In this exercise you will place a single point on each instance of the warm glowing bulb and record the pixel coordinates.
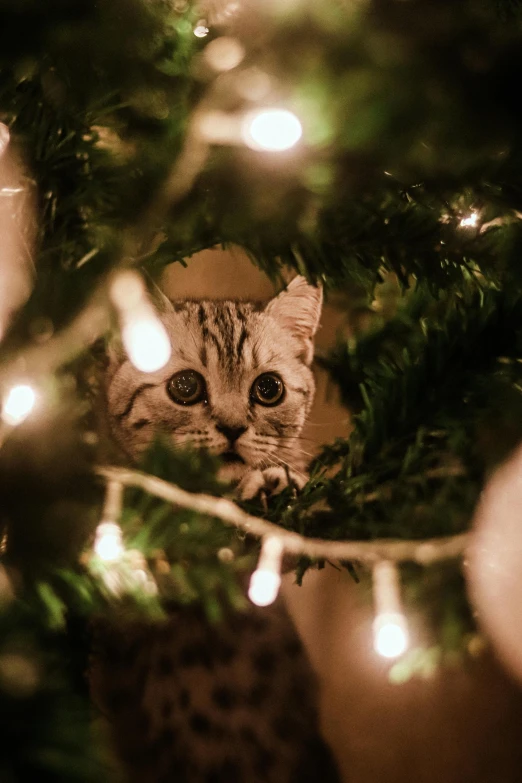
(273, 130)
(390, 635)
(201, 30)
(264, 587)
(471, 220)
(266, 579)
(109, 543)
(18, 404)
(146, 342)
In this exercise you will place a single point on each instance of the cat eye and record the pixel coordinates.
(186, 387)
(267, 389)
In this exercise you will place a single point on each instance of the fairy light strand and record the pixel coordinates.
(266, 579)
(18, 404)
(271, 130)
(470, 221)
(390, 629)
(143, 334)
(121, 570)
(423, 552)
(108, 543)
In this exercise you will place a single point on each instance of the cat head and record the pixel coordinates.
(238, 382)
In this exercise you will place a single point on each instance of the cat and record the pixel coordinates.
(234, 702)
(238, 383)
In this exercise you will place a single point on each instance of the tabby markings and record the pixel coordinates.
(134, 397)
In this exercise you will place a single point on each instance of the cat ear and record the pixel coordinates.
(160, 301)
(298, 309)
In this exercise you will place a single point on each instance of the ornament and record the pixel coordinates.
(4, 138)
(494, 563)
(18, 230)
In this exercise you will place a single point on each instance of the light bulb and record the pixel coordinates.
(274, 130)
(264, 587)
(390, 630)
(109, 542)
(390, 634)
(146, 342)
(18, 404)
(266, 579)
(471, 220)
(144, 336)
(201, 30)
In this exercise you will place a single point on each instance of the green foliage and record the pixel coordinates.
(207, 559)
(97, 132)
(101, 132)
(410, 124)
(440, 401)
(46, 722)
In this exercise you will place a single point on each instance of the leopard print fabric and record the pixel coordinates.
(191, 702)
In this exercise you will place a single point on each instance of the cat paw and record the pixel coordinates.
(269, 481)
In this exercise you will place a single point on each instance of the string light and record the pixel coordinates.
(18, 404)
(274, 130)
(266, 579)
(146, 343)
(109, 541)
(144, 337)
(201, 30)
(390, 630)
(422, 551)
(470, 221)
(121, 570)
(390, 626)
(108, 544)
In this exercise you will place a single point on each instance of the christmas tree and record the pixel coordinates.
(374, 147)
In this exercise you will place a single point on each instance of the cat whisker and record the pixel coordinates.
(321, 423)
(280, 462)
(277, 442)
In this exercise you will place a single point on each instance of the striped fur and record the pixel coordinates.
(230, 343)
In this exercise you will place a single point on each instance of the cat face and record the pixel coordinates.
(238, 382)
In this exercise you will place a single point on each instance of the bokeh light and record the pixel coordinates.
(146, 342)
(264, 587)
(390, 635)
(109, 543)
(18, 404)
(274, 130)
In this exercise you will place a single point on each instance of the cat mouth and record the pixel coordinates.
(231, 456)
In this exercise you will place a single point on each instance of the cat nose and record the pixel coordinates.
(230, 433)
